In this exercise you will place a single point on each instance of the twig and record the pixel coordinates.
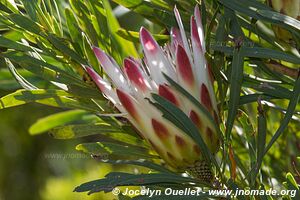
(282, 69)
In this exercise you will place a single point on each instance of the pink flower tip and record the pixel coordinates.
(89, 70)
(100, 54)
(133, 73)
(175, 9)
(147, 40)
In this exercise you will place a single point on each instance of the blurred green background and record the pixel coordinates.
(40, 167)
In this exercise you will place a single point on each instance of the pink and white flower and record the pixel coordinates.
(130, 86)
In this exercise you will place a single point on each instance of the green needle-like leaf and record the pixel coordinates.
(56, 98)
(294, 100)
(260, 140)
(236, 80)
(115, 151)
(89, 53)
(135, 36)
(139, 162)
(73, 29)
(278, 17)
(115, 179)
(26, 23)
(4, 42)
(52, 121)
(21, 80)
(60, 45)
(292, 185)
(125, 47)
(259, 52)
(8, 6)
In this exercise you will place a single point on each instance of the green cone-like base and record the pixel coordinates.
(202, 171)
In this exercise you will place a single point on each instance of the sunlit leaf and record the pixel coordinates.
(56, 98)
(49, 122)
(124, 47)
(115, 151)
(134, 36)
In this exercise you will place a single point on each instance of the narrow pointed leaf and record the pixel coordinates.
(83, 130)
(43, 69)
(134, 36)
(236, 80)
(9, 6)
(294, 100)
(21, 80)
(73, 28)
(292, 185)
(259, 52)
(115, 151)
(115, 179)
(7, 43)
(88, 50)
(125, 47)
(56, 98)
(139, 162)
(260, 140)
(275, 16)
(60, 45)
(26, 23)
(51, 121)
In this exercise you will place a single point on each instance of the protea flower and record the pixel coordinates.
(131, 86)
(287, 7)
